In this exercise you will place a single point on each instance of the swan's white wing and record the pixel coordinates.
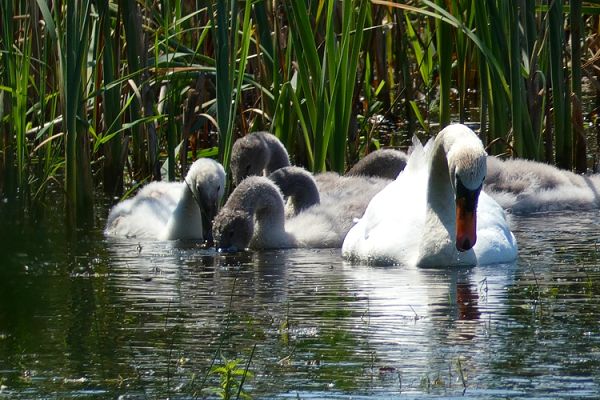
(393, 222)
(146, 214)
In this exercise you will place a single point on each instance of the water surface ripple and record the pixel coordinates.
(100, 318)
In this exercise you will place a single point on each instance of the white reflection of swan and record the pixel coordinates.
(419, 313)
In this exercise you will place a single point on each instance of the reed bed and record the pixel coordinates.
(113, 94)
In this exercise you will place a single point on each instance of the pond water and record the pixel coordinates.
(97, 318)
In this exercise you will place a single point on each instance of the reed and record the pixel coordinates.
(73, 48)
(110, 100)
(576, 24)
(327, 81)
(444, 40)
(230, 57)
(13, 105)
(104, 94)
(560, 99)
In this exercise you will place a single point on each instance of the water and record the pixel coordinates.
(97, 318)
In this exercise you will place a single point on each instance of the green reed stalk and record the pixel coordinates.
(445, 41)
(490, 30)
(509, 14)
(132, 26)
(424, 56)
(402, 64)
(560, 100)
(269, 67)
(17, 36)
(230, 51)
(328, 84)
(8, 184)
(111, 103)
(73, 54)
(462, 9)
(576, 23)
(309, 73)
(345, 80)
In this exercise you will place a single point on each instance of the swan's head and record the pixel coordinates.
(249, 156)
(206, 180)
(233, 229)
(467, 166)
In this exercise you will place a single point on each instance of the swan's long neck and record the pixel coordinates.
(279, 157)
(265, 203)
(186, 220)
(298, 185)
(440, 212)
(456, 173)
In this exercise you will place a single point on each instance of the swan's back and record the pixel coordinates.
(171, 210)
(524, 186)
(146, 214)
(382, 163)
(369, 239)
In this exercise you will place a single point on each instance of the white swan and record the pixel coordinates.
(254, 217)
(172, 210)
(524, 186)
(434, 213)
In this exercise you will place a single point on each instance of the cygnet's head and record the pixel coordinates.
(249, 156)
(206, 180)
(233, 229)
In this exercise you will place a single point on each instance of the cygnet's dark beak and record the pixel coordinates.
(466, 216)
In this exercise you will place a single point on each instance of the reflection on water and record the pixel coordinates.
(100, 318)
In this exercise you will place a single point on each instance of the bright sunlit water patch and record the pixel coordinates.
(98, 318)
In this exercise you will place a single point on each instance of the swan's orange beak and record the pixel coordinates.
(466, 224)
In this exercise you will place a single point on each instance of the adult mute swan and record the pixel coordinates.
(434, 213)
(172, 210)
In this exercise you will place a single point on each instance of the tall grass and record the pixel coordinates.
(327, 81)
(104, 94)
